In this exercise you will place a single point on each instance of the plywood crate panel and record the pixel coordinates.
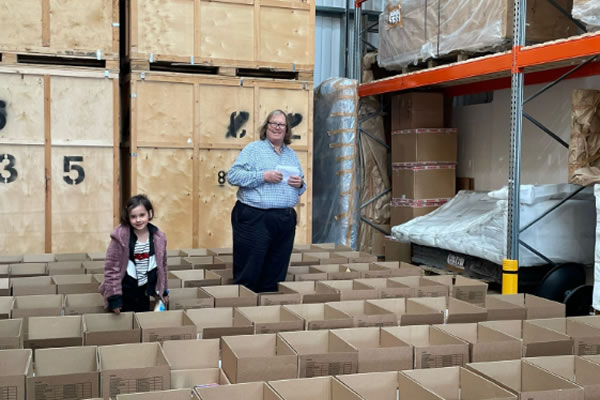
(188, 129)
(242, 33)
(59, 186)
(72, 28)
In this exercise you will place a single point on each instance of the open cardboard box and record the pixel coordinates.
(335, 271)
(66, 257)
(457, 311)
(174, 394)
(537, 340)
(377, 350)
(370, 270)
(62, 331)
(466, 289)
(349, 289)
(355, 256)
(64, 373)
(400, 268)
(365, 314)
(433, 348)
(194, 252)
(269, 319)
(15, 366)
(593, 321)
(187, 298)
(66, 268)
(410, 312)
(321, 353)
(225, 274)
(499, 309)
(32, 286)
(527, 380)
(96, 256)
(216, 322)
(131, 368)
(586, 338)
(387, 288)
(425, 287)
(69, 284)
(245, 391)
(4, 287)
(166, 325)
(190, 378)
(4, 270)
(39, 258)
(232, 296)
(110, 329)
(278, 298)
(310, 292)
(6, 306)
(11, 334)
(197, 278)
(485, 344)
(93, 267)
(320, 388)
(321, 316)
(253, 358)
(192, 354)
(37, 306)
(220, 251)
(28, 269)
(305, 273)
(11, 259)
(537, 307)
(198, 262)
(84, 303)
(322, 257)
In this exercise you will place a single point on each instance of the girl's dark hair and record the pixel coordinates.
(287, 139)
(137, 200)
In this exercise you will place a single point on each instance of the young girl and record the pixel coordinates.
(136, 260)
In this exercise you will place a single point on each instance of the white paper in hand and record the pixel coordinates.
(287, 171)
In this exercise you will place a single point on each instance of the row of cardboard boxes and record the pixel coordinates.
(38, 321)
(91, 371)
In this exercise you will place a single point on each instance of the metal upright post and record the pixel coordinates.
(510, 266)
(357, 41)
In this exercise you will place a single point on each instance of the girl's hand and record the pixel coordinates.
(117, 310)
(165, 300)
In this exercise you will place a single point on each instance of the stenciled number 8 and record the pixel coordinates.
(221, 177)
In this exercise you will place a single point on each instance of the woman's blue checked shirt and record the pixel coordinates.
(247, 173)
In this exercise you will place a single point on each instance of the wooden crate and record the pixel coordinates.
(184, 138)
(65, 28)
(242, 33)
(59, 160)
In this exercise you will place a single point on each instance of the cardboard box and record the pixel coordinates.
(15, 366)
(433, 348)
(4, 287)
(470, 290)
(373, 270)
(396, 251)
(32, 286)
(187, 298)
(11, 259)
(320, 388)
(401, 268)
(176, 394)
(537, 307)
(310, 292)
(424, 182)
(269, 319)
(39, 258)
(216, 322)
(4, 270)
(377, 350)
(586, 338)
(321, 353)
(132, 368)
(365, 314)
(417, 110)
(306, 273)
(404, 210)
(321, 257)
(375, 385)
(70, 284)
(321, 316)
(200, 252)
(63, 331)
(232, 296)
(575, 369)
(197, 278)
(537, 340)
(93, 267)
(6, 306)
(450, 383)
(349, 289)
(387, 288)
(425, 145)
(68, 257)
(225, 274)
(336, 271)
(201, 262)
(174, 253)
(498, 309)
(44, 305)
(246, 391)
(255, 358)
(278, 298)
(26, 270)
(485, 344)
(84, 303)
(166, 325)
(65, 373)
(96, 256)
(457, 311)
(220, 251)
(356, 256)
(190, 378)
(11, 334)
(110, 329)
(192, 354)
(425, 286)
(66, 268)
(527, 380)
(409, 312)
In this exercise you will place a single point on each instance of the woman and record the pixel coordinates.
(270, 181)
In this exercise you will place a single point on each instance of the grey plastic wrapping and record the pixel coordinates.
(414, 30)
(335, 188)
(588, 12)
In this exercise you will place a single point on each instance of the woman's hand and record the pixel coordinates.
(272, 176)
(295, 181)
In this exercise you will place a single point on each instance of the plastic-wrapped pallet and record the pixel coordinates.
(596, 295)
(415, 30)
(588, 12)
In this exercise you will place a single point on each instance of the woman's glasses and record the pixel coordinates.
(276, 125)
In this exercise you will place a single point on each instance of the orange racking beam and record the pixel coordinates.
(578, 47)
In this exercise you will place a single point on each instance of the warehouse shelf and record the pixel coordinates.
(541, 63)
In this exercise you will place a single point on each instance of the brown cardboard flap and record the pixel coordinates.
(192, 354)
(189, 378)
(246, 391)
(11, 334)
(498, 309)
(313, 388)
(278, 298)
(216, 322)
(375, 385)
(176, 394)
(232, 296)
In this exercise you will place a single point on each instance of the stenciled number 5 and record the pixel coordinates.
(69, 166)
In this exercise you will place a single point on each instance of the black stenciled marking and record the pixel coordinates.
(221, 177)
(295, 119)
(236, 121)
(8, 167)
(68, 167)
(2, 114)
